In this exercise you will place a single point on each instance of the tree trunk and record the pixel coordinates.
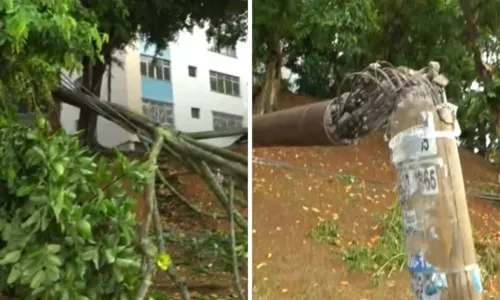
(55, 116)
(93, 73)
(267, 101)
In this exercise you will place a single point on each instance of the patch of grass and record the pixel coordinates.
(488, 251)
(159, 295)
(384, 254)
(347, 179)
(387, 253)
(325, 232)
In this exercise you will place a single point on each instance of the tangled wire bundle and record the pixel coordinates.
(374, 95)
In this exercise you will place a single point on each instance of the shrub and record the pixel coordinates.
(68, 228)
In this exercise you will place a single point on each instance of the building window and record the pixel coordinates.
(27, 114)
(195, 113)
(24, 109)
(225, 84)
(192, 71)
(158, 69)
(159, 111)
(222, 121)
(228, 51)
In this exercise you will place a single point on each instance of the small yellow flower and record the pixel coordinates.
(163, 261)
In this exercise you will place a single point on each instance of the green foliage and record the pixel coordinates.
(159, 22)
(332, 39)
(67, 225)
(37, 40)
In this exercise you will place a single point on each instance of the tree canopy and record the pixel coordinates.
(39, 39)
(324, 40)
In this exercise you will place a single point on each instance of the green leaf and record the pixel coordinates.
(14, 274)
(53, 273)
(54, 259)
(60, 197)
(89, 254)
(37, 291)
(39, 150)
(32, 266)
(24, 190)
(92, 254)
(57, 208)
(11, 175)
(11, 257)
(127, 263)
(54, 248)
(110, 255)
(44, 222)
(59, 168)
(118, 274)
(39, 279)
(35, 217)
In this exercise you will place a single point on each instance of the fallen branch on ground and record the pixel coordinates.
(148, 251)
(185, 201)
(237, 280)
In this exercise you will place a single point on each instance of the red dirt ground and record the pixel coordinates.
(289, 202)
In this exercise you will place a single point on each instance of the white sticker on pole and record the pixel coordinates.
(415, 142)
(410, 223)
(426, 177)
(406, 186)
(421, 178)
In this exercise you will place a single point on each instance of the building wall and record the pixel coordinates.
(122, 92)
(188, 92)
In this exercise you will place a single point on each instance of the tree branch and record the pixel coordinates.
(237, 280)
(153, 213)
(185, 201)
(147, 266)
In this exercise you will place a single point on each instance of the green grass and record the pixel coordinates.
(325, 232)
(388, 253)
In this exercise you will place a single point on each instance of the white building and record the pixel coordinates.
(189, 85)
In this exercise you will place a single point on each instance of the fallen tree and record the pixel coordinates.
(203, 159)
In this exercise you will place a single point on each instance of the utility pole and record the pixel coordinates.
(441, 256)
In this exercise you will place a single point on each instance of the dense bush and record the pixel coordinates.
(68, 228)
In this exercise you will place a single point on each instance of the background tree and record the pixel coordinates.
(482, 32)
(332, 38)
(274, 23)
